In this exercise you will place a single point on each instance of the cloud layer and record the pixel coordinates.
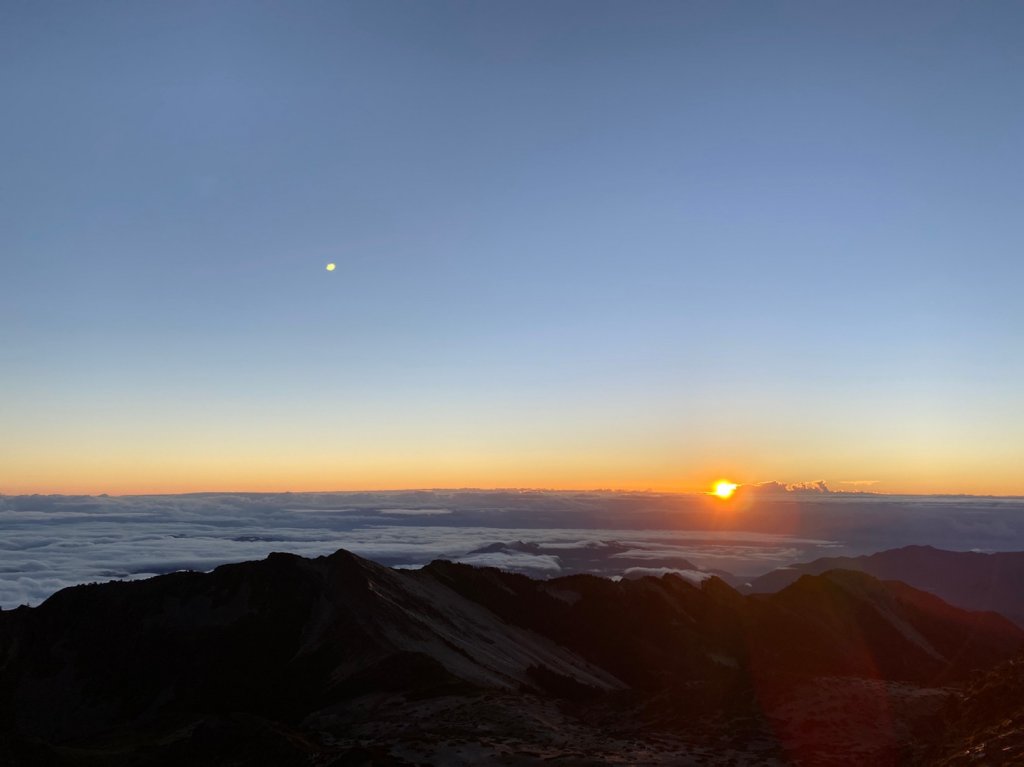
(49, 542)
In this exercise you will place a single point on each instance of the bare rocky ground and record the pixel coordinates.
(827, 722)
(504, 729)
(835, 721)
(984, 725)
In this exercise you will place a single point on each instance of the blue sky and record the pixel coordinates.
(578, 244)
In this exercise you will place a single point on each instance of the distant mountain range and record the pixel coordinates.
(967, 579)
(341, 661)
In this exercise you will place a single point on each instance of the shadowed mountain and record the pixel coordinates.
(967, 579)
(849, 623)
(289, 656)
(279, 637)
(648, 630)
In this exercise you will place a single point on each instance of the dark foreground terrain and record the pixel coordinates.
(340, 661)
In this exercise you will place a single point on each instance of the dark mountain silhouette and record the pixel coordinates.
(967, 579)
(338, 660)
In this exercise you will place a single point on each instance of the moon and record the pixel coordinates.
(331, 267)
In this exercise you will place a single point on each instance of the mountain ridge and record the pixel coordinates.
(969, 579)
(288, 649)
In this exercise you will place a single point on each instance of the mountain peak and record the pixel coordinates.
(288, 640)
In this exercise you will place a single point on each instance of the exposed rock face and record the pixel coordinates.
(288, 659)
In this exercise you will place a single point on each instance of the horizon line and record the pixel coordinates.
(796, 491)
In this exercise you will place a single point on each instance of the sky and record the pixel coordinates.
(578, 245)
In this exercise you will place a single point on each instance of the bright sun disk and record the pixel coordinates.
(724, 489)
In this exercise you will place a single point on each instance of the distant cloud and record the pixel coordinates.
(511, 560)
(859, 482)
(799, 488)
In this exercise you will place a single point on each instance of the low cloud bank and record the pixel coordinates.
(49, 542)
(695, 577)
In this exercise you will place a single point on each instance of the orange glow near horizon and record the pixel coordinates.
(124, 445)
(367, 480)
(168, 469)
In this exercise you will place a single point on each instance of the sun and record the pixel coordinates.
(724, 489)
(330, 267)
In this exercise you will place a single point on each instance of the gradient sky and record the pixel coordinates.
(578, 244)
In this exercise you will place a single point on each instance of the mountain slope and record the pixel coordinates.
(846, 622)
(289, 656)
(278, 638)
(967, 579)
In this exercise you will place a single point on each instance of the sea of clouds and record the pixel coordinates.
(49, 542)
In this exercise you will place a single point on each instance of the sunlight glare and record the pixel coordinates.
(724, 489)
